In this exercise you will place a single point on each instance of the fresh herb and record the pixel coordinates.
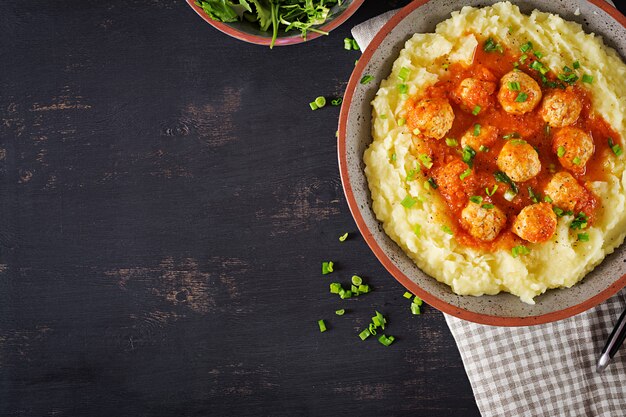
(404, 73)
(526, 47)
(576, 161)
(476, 110)
(521, 97)
(365, 334)
(447, 230)
(401, 121)
(617, 150)
(451, 142)
(483, 148)
(356, 280)
(431, 181)
(468, 155)
(403, 88)
(533, 197)
(408, 201)
(522, 58)
(335, 288)
(576, 65)
(487, 206)
(347, 44)
(327, 267)
(476, 129)
(417, 230)
(386, 340)
(587, 78)
(322, 325)
(580, 222)
(493, 191)
(343, 237)
(407, 295)
(514, 86)
(415, 309)
(502, 177)
(340, 312)
(490, 46)
(476, 199)
(511, 135)
(519, 250)
(425, 160)
(394, 157)
(366, 79)
(465, 174)
(560, 151)
(547, 199)
(410, 176)
(538, 54)
(583, 237)
(337, 101)
(569, 78)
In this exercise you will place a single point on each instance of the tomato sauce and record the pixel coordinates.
(491, 66)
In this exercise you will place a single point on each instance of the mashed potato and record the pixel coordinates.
(423, 229)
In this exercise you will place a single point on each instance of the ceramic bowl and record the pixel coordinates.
(249, 32)
(355, 135)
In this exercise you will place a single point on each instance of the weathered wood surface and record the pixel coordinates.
(166, 200)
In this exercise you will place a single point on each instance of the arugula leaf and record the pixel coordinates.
(219, 10)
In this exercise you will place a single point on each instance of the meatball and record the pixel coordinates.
(573, 147)
(560, 108)
(473, 92)
(433, 117)
(488, 136)
(564, 191)
(482, 223)
(519, 93)
(454, 190)
(535, 223)
(519, 160)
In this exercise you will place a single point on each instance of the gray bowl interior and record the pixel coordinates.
(424, 19)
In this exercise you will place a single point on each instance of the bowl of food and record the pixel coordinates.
(275, 23)
(481, 153)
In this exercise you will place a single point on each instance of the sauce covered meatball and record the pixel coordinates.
(573, 147)
(482, 223)
(433, 117)
(519, 93)
(560, 108)
(473, 92)
(487, 136)
(535, 223)
(450, 186)
(564, 191)
(519, 160)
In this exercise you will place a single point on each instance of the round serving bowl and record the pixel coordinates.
(355, 136)
(250, 32)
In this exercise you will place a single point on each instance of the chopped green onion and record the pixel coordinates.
(337, 101)
(476, 199)
(343, 237)
(394, 156)
(580, 222)
(570, 78)
(364, 288)
(522, 58)
(415, 309)
(340, 312)
(356, 61)
(518, 142)
(417, 230)
(404, 73)
(576, 161)
(490, 45)
(492, 192)
(403, 88)
(521, 97)
(465, 174)
(558, 211)
(372, 329)
(468, 155)
(528, 45)
(476, 110)
(431, 181)
(583, 237)
(587, 79)
(355, 45)
(417, 300)
(451, 142)
(502, 177)
(320, 101)
(487, 206)
(416, 131)
(560, 151)
(365, 334)
(327, 267)
(509, 195)
(408, 201)
(483, 148)
(357, 280)
(538, 54)
(401, 121)
(617, 150)
(511, 135)
(366, 79)
(355, 290)
(343, 294)
(547, 199)
(410, 176)
(408, 295)
(520, 250)
(476, 129)
(335, 288)
(567, 69)
(447, 230)
(425, 160)
(347, 44)
(322, 325)
(386, 340)
(312, 105)
(531, 194)
(576, 65)
(514, 86)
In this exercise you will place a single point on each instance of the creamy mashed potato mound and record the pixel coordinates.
(421, 229)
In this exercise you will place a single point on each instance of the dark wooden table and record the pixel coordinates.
(167, 198)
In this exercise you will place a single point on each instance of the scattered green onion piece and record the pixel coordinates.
(357, 280)
(487, 206)
(327, 267)
(580, 222)
(431, 181)
(337, 101)
(403, 88)
(410, 176)
(493, 191)
(356, 61)
(583, 237)
(483, 148)
(416, 131)
(538, 54)
(320, 101)
(322, 325)
(404, 73)
(355, 45)
(366, 79)
(531, 194)
(520, 250)
(355, 290)
(451, 142)
(576, 65)
(408, 295)
(340, 312)
(521, 97)
(447, 230)
(364, 288)
(343, 237)
(527, 46)
(401, 121)
(558, 211)
(476, 129)
(476, 199)
(415, 309)
(365, 334)
(547, 199)
(408, 201)
(386, 340)
(312, 105)
(490, 45)
(509, 195)
(511, 135)
(502, 177)
(417, 300)
(335, 288)
(417, 230)
(465, 174)
(588, 79)
(425, 160)
(518, 142)
(514, 86)
(567, 69)
(522, 58)
(560, 151)
(343, 294)
(476, 110)
(468, 156)
(347, 44)
(394, 156)
(576, 161)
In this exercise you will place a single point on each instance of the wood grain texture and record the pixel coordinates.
(167, 197)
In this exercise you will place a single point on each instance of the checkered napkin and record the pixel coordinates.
(545, 370)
